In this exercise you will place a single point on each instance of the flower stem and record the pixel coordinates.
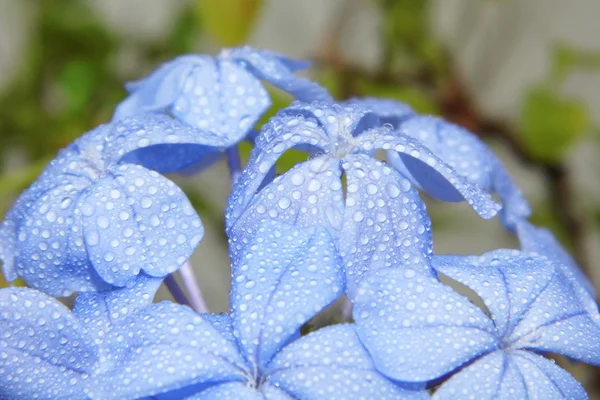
(186, 273)
(175, 290)
(234, 163)
(347, 309)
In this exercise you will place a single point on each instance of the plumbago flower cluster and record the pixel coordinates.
(103, 221)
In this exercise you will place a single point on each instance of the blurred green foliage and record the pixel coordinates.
(229, 22)
(551, 123)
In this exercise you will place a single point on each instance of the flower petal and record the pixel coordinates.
(494, 376)
(134, 219)
(505, 280)
(545, 379)
(531, 303)
(280, 134)
(285, 276)
(514, 375)
(160, 89)
(220, 96)
(99, 312)
(435, 176)
(417, 329)
(308, 195)
(44, 351)
(542, 241)
(466, 154)
(385, 222)
(162, 348)
(161, 143)
(67, 169)
(51, 254)
(56, 222)
(389, 111)
(228, 390)
(555, 321)
(337, 120)
(279, 71)
(332, 363)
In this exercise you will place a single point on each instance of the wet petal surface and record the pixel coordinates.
(332, 363)
(467, 155)
(385, 223)
(495, 376)
(542, 241)
(389, 111)
(308, 195)
(279, 71)
(283, 278)
(417, 329)
(436, 177)
(44, 351)
(134, 219)
(162, 348)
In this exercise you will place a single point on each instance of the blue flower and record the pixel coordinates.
(542, 242)
(417, 329)
(223, 95)
(381, 222)
(116, 345)
(100, 213)
(389, 111)
(458, 148)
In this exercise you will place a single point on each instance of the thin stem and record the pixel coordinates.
(234, 163)
(186, 273)
(175, 290)
(347, 309)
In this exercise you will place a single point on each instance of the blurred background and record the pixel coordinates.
(523, 75)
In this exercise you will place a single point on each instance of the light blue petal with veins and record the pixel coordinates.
(531, 303)
(495, 376)
(222, 97)
(276, 137)
(504, 279)
(163, 348)
(229, 391)
(44, 351)
(436, 177)
(308, 195)
(285, 276)
(161, 143)
(554, 321)
(331, 363)
(389, 111)
(279, 71)
(99, 312)
(385, 222)
(511, 375)
(546, 380)
(340, 122)
(51, 252)
(135, 219)
(465, 153)
(160, 89)
(87, 216)
(542, 241)
(417, 329)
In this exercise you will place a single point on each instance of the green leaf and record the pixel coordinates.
(77, 81)
(567, 58)
(228, 21)
(550, 123)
